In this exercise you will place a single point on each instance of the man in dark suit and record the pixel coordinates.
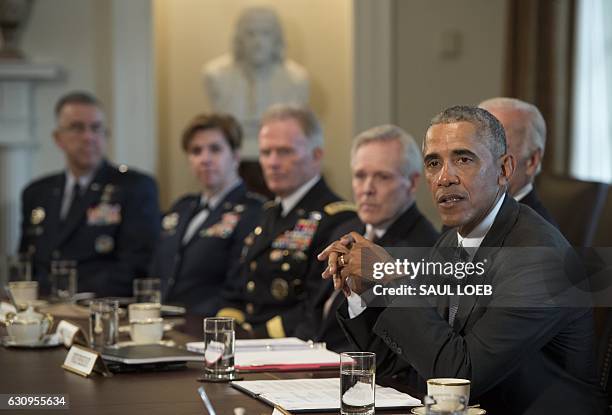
(525, 130)
(203, 234)
(106, 218)
(277, 278)
(386, 165)
(526, 346)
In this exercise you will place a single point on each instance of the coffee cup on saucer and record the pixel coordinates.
(140, 311)
(448, 394)
(147, 330)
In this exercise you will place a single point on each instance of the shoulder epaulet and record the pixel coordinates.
(256, 196)
(338, 207)
(269, 204)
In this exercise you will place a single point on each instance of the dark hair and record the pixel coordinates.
(228, 125)
(487, 126)
(76, 97)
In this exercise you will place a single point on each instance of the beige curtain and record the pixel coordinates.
(539, 56)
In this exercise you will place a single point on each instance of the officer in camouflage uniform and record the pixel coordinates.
(279, 272)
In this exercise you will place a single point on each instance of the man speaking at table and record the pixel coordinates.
(527, 349)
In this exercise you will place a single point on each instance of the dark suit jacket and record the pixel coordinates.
(522, 356)
(111, 234)
(410, 229)
(193, 274)
(532, 200)
(277, 276)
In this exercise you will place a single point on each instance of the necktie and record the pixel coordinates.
(197, 218)
(461, 255)
(74, 201)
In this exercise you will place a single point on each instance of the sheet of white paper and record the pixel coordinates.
(313, 394)
(287, 357)
(286, 343)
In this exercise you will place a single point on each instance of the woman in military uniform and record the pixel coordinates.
(202, 234)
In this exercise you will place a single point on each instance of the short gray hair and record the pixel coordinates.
(304, 116)
(271, 17)
(535, 126)
(412, 158)
(488, 128)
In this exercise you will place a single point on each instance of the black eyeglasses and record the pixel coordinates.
(81, 128)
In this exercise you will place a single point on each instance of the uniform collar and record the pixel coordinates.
(214, 201)
(380, 230)
(523, 192)
(83, 180)
(289, 202)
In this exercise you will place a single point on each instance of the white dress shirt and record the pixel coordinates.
(211, 204)
(290, 201)
(523, 192)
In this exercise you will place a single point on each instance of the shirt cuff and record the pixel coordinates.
(355, 305)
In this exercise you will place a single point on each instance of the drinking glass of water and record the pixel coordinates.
(147, 290)
(219, 348)
(103, 322)
(357, 383)
(63, 280)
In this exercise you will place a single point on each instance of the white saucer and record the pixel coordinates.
(50, 340)
(420, 410)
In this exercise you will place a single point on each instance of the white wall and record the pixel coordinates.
(105, 47)
(426, 80)
(191, 32)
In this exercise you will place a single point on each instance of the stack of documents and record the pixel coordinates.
(288, 353)
(316, 394)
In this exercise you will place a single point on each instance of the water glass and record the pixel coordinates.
(103, 323)
(63, 280)
(17, 268)
(147, 290)
(219, 348)
(357, 383)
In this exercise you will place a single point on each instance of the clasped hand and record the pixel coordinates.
(350, 262)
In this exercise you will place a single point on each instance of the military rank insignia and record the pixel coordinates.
(223, 228)
(279, 288)
(300, 236)
(37, 216)
(104, 214)
(170, 221)
(104, 244)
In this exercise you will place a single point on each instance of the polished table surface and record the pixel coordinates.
(39, 371)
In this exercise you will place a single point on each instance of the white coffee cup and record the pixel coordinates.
(149, 330)
(142, 311)
(443, 390)
(24, 292)
(27, 327)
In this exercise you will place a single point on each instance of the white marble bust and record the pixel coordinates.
(255, 75)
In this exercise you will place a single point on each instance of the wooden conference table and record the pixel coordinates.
(35, 371)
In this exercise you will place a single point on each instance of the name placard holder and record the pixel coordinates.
(70, 334)
(83, 361)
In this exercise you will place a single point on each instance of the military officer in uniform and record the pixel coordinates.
(278, 273)
(104, 217)
(203, 234)
(386, 166)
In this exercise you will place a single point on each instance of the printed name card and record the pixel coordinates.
(70, 334)
(84, 361)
